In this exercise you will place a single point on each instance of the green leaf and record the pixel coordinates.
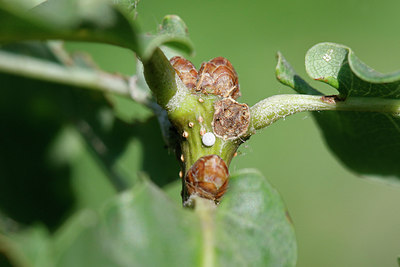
(139, 228)
(128, 6)
(143, 227)
(29, 121)
(252, 224)
(89, 21)
(78, 20)
(366, 142)
(287, 76)
(173, 33)
(338, 66)
(30, 247)
(70, 142)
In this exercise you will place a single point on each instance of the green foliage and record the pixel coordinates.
(254, 212)
(88, 130)
(143, 227)
(91, 21)
(366, 142)
(94, 21)
(67, 119)
(81, 198)
(173, 32)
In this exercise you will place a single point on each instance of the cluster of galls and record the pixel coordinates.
(208, 176)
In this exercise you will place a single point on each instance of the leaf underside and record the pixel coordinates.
(88, 21)
(71, 134)
(142, 227)
(368, 143)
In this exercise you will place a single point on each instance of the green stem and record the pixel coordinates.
(161, 77)
(74, 76)
(205, 209)
(271, 109)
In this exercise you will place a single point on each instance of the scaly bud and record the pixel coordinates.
(207, 178)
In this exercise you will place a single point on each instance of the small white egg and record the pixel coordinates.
(208, 139)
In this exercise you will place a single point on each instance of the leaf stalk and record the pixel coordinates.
(273, 108)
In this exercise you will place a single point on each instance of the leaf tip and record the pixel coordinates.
(174, 24)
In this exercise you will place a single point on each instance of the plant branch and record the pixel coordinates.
(205, 209)
(271, 109)
(160, 77)
(47, 71)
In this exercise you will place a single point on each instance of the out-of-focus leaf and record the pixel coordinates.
(366, 142)
(30, 247)
(28, 122)
(4, 261)
(128, 6)
(78, 242)
(101, 21)
(69, 143)
(144, 227)
(173, 33)
(78, 20)
(140, 227)
(252, 225)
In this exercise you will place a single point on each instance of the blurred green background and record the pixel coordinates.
(340, 219)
